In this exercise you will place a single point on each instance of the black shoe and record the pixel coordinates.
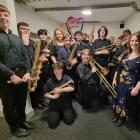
(44, 104)
(38, 106)
(28, 125)
(116, 117)
(20, 132)
(119, 122)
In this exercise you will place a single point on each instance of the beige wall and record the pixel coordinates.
(10, 5)
(133, 23)
(113, 28)
(35, 20)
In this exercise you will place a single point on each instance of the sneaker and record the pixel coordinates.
(28, 125)
(115, 119)
(119, 122)
(20, 132)
(44, 104)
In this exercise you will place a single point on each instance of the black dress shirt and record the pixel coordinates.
(86, 76)
(12, 55)
(99, 43)
(65, 99)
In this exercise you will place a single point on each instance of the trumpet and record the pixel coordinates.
(105, 47)
(62, 86)
(104, 70)
(105, 82)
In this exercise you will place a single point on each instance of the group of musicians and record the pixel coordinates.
(105, 71)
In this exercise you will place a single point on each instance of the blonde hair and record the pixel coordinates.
(137, 34)
(67, 36)
(54, 41)
(4, 9)
(85, 51)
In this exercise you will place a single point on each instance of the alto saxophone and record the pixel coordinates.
(36, 68)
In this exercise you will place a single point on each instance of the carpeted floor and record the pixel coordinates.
(95, 125)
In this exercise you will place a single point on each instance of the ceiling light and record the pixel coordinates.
(86, 12)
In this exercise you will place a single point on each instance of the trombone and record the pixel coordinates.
(105, 82)
(108, 86)
(104, 70)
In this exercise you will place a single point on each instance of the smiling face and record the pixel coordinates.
(59, 35)
(78, 37)
(58, 72)
(135, 43)
(67, 42)
(4, 20)
(43, 37)
(85, 56)
(90, 37)
(118, 42)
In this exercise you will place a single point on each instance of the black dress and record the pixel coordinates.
(129, 77)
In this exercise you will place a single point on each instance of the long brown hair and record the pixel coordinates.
(105, 28)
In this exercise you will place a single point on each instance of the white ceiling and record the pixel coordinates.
(100, 13)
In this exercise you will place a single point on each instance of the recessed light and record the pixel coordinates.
(86, 12)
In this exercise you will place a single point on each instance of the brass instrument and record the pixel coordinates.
(69, 66)
(103, 70)
(108, 86)
(122, 55)
(105, 47)
(36, 68)
(100, 75)
(62, 86)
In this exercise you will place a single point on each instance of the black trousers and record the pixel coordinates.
(14, 101)
(37, 97)
(72, 73)
(66, 113)
(133, 107)
(88, 94)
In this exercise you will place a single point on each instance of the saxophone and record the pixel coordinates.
(36, 68)
(69, 66)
